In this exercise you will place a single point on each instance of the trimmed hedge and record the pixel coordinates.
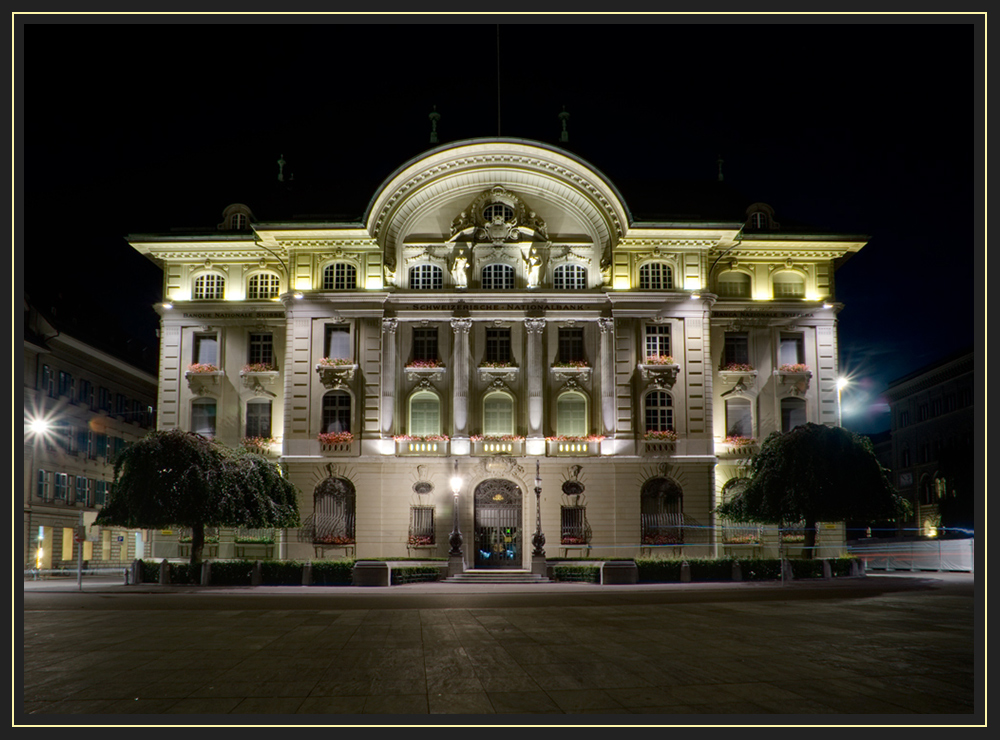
(578, 573)
(332, 572)
(657, 570)
(281, 572)
(416, 574)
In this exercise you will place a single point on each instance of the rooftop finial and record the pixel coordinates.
(281, 168)
(435, 117)
(563, 117)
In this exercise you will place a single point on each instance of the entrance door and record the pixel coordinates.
(498, 524)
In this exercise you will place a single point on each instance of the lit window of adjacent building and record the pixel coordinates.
(425, 414)
(425, 344)
(570, 277)
(426, 277)
(62, 486)
(791, 349)
(258, 418)
(657, 340)
(104, 399)
(44, 485)
(739, 420)
(65, 384)
(659, 411)
(336, 412)
(203, 416)
(498, 345)
(206, 349)
(571, 415)
(209, 287)
(100, 492)
(262, 286)
(793, 413)
(343, 276)
(732, 284)
(48, 381)
(789, 285)
(85, 393)
(655, 276)
(498, 277)
(337, 342)
(736, 349)
(81, 491)
(498, 414)
(571, 345)
(261, 349)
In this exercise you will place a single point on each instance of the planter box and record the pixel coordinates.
(498, 447)
(573, 448)
(421, 448)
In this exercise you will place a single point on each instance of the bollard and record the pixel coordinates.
(827, 569)
(255, 574)
(685, 572)
(737, 571)
(206, 573)
(164, 572)
(307, 574)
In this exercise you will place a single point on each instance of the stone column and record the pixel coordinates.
(535, 374)
(607, 351)
(388, 406)
(460, 386)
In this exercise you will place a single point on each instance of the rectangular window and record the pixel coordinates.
(791, 350)
(571, 345)
(44, 485)
(259, 419)
(261, 349)
(904, 419)
(425, 344)
(85, 393)
(922, 412)
(121, 405)
(421, 525)
(203, 417)
(62, 486)
(101, 445)
(573, 525)
(104, 399)
(81, 490)
(65, 384)
(739, 420)
(206, 349)
(100, 492)
(337, 343)
(336, 412)
(658, 340)
(48, 381)
(498, 346)
(736, 350)
(936, 406)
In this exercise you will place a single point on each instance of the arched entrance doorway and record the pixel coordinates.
(498, 524)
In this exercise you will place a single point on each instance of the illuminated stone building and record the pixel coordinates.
(497, 306)
(82, 405)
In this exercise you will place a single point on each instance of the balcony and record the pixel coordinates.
(737, 447)
(795, 376)
(563, 371)
(424, 369)
(336, 374)
(658, 446)
(492, 373)
(573, 447)
(487, 446)
(340, 444)
(421, 446)
(660, 374)
(259, 381)
(202, 379)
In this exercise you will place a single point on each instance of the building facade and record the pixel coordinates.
(497, 311)
(81, 407)
(932, 439)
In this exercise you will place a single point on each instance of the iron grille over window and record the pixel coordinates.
(573, 528)
(333, 512)
(661, 517)
(421, 526)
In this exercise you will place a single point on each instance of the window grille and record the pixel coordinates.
(570, 277)
(342, 276)
(661, 513)
(573, 529)
(421, 526)
(659, 412)
(426, 277)
(425, 344)
(498, 346)
(655, 276)
(263, 286)
(209, 287)
(498, 277)
(337, 412)
(657, 340)
(333, 512)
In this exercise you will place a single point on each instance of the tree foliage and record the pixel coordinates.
(814, 473)
(177, 478)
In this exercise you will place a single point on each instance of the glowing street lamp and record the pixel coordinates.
(841, 384)
(455, 539)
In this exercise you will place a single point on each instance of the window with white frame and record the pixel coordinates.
(336, 412)
(261, 349)
(425, 414)
(342, 276)
(203, 416)
(209, 287)
(258, 418)
(739, 419)
(571, 415)
(659, 412)
(789, 284)
(62, 486)
(657, 340)
(498, 277)
(100, 492)
(206, 349)
(498, 414)
(656, 276)
(426, 277)
(733, 284)
(81, 491)
(793, 413)
(425, 344)
(570, 345)
(239, 222)
(570, 277)
(262, 286)
(337, 342)
(791, 349)
(497, 345)
(44, 485)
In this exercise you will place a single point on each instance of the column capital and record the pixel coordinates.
(534, 326)
(390, 325)
(461, 326)
(606, 325)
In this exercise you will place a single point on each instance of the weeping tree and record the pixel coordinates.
(814, 473)
(177, 478)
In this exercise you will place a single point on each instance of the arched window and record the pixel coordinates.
(570, 277)
(793, 413)
(333, 512)
(661, 512)
(239, 222)
(739, 420)
(340, 276)
(498, 277)
(336, 412)
(209, 287)
(656, 276)
(758, 220)
(571, 415)
(498, 211)
(262, 286)
(425, 414)
(498, 414)
(659, 412)
(789, 284)
(733, 284)
(203, 416)
(426, 277)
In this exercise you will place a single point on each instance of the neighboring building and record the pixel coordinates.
(498, 307)
(81, 407)
(933, 430)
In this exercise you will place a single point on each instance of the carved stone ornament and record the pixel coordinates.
(259, 382)
(334, 377)
(534, 326)
(204, 384)
(390, 325)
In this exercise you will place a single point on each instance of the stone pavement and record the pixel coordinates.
(895, 648)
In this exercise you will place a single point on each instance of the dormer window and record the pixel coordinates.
(758, 221)
(240, 222)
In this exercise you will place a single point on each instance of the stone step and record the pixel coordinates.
(496, 576)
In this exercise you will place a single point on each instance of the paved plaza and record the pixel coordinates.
(891, 648)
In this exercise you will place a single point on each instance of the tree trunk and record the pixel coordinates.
(197, 543)
(810, 542)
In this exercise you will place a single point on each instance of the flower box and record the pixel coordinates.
(335, 374)
(494, 371)
(201, 377)
(504, 445)
(336, 443)
(573, 446)
(659, 442)
(259, 445)
(663, 374)
(419, 369)
(565, 370)
(257, 380)
(429, 446)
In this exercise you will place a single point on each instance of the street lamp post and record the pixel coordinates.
(456, 561)
(841, 384)
(538, 566)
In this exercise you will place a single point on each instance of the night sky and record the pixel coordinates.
(848, 127)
